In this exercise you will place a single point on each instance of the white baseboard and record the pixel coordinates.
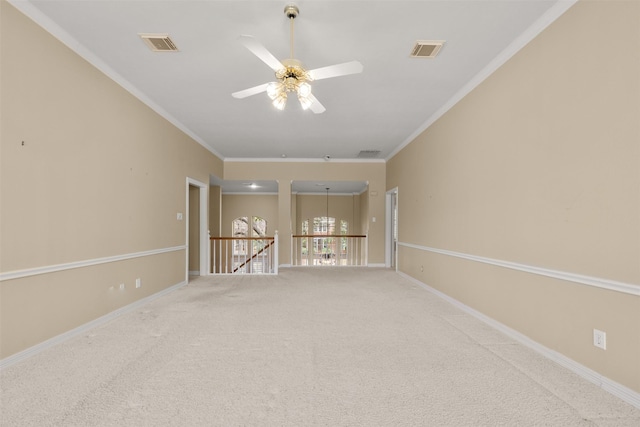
(194, 272)
(377, 265)
(630, 396)
(38, 348)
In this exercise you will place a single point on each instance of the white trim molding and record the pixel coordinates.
(297, 160)
(628, 395)
(18, 274)
(203, 226)
(553, 13)
(59, 339)
(68, 40)
(612, 285)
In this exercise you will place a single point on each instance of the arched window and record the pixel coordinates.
(240, 227)
(259, 227)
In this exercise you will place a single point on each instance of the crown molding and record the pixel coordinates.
(553, 13)
(33, 13)
(247, 193)
(297, 160)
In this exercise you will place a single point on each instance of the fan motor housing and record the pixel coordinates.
(293, 70)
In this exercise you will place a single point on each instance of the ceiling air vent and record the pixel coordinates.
(426, 48)
(368, 154)
(159, 42)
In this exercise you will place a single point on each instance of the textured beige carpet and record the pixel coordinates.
(329, 347)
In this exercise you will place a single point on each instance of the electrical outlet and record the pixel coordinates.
(138, 283)
(600, 339)
(122, 286)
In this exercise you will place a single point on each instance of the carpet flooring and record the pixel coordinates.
(309, 347)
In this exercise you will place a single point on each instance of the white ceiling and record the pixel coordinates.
(381, 109)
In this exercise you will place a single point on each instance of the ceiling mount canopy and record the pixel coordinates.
(291, 10)
(291, 76)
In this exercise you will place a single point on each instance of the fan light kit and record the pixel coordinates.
(291, 76)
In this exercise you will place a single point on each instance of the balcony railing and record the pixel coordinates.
(329, 250)
(244, 255)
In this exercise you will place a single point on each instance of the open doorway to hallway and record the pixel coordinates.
(197, 233)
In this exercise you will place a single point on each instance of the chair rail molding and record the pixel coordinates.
(18, 274)
(612, 285)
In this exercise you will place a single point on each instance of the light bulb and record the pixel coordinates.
(304, 89)
(274, 89)
(280, 101)
(305, 102)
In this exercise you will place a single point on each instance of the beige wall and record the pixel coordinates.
(342, 207)
(237, 205)
(215, 210)
(364, 213)
(99, 175)
(287, 171)
(540, 165)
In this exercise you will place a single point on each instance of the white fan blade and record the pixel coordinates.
(261, 52)
(337, 70)
(251, 91)
(316, 106)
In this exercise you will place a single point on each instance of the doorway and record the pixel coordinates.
(391, 229)
(197, 232)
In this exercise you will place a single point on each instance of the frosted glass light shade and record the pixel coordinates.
(274, 89)
(305, 102)
(304, 89)
(280, 101)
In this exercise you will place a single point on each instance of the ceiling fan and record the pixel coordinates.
(291, 76)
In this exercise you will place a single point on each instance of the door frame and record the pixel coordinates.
(204, 227)
(388, 229)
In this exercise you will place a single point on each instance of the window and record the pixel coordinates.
(327, 241)
(324, 225)
(246, 252)
(324, 247)
(344, 229)
(240, 229)
(259, 227)
(304, 250)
